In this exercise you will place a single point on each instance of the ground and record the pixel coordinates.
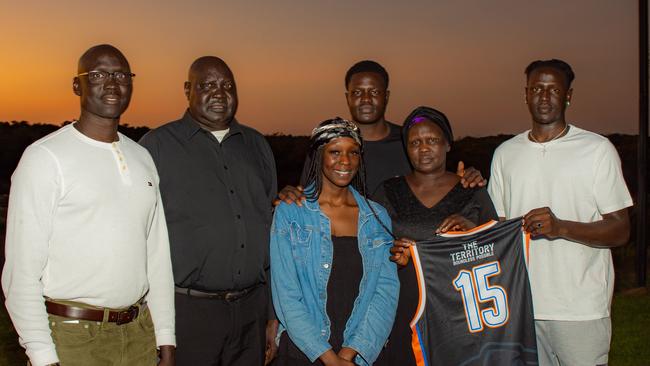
(630, 345)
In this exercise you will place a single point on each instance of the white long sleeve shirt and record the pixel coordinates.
(85, 223)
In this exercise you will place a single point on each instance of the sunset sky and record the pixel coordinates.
(289, 58)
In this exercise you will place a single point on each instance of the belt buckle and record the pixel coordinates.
(235, 295)
(231, 296)
(127, 315)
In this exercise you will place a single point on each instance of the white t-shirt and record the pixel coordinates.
(85, 223)
(579, 177)
(219, 135)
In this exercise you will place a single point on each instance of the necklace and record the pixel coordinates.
(543, 144)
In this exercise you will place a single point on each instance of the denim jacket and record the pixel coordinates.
(301, 259)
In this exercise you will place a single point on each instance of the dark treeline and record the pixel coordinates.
(290, 151)
(15, 136)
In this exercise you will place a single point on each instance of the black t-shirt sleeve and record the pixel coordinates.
(305, 168)
(380, 196)
(487, 211)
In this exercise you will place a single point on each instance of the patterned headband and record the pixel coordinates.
(332, 129)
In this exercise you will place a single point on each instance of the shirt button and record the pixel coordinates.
(326, 265)
(323, 331)
(239, 216)
(232, 192)
(225, 167)
(242, 246)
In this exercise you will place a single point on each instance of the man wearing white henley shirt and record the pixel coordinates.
(567, 184)
(87, 253)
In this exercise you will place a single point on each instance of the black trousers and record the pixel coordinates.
(219, 333)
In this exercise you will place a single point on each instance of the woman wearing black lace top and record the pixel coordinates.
(427, 201)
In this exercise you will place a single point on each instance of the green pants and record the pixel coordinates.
(83, 342)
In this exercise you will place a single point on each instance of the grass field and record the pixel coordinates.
(630, 341)
(10, 352)
(631, 329)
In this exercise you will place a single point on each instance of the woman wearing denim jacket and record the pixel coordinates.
(334, 289)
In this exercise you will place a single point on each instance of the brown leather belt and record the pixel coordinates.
(228, 296)
(114, 316)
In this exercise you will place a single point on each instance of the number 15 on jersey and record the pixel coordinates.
(475, 289)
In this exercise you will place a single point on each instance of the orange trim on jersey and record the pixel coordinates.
(417, 350)
(527, 246)
(415, 340)
(470, 231)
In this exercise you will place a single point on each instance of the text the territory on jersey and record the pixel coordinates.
(475, 306)
(471, 252)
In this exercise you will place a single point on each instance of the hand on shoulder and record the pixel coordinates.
(470, 177)
(290, 195)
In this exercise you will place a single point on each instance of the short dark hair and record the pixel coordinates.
(556, 64)
(91, 54)
(366, 66)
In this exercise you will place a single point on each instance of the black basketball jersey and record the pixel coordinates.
(475, 305)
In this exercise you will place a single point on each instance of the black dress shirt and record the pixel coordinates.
(218, 203)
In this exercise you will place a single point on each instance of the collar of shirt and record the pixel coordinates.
(190, 127)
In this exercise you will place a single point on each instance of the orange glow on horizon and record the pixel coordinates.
(289, 58)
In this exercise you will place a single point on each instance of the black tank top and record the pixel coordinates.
(343, 285)
(342, 290)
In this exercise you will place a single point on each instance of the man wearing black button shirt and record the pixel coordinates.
(217, 180)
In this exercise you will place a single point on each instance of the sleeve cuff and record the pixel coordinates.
(360, 360)
(366, 352)
(317, 351)
(165, 339)
(43, 357)
(617, 207)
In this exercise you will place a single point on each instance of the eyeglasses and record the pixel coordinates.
(101, 77)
